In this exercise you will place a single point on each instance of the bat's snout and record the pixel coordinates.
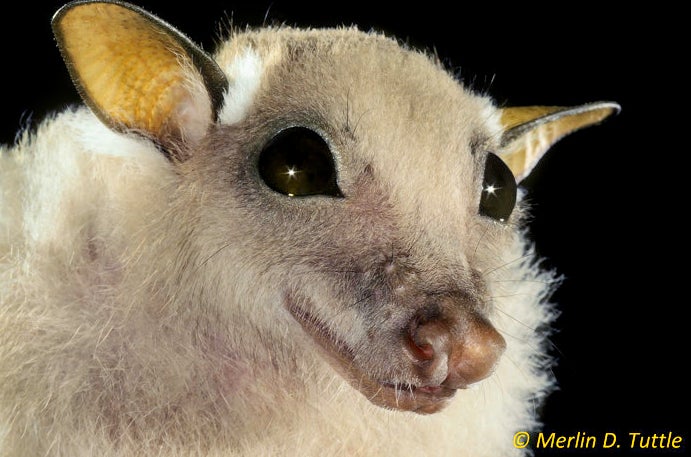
(454, 352)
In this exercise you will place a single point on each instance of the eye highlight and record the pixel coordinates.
(298, 162)
(499, 189)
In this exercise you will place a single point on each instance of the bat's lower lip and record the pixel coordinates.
(419, 399)
(397, 396)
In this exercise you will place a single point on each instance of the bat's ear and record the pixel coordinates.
(138, 73)
(530, 131)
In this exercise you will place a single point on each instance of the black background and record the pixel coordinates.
(608, 200)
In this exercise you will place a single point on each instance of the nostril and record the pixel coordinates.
(421, 351)
(428, 340)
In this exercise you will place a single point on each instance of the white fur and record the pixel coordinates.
(333, 419)
(139, 317)
(246, 70)
(99, 139)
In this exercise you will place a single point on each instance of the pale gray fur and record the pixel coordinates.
(142, 301)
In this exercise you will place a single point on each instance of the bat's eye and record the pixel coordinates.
(298, 162)
(498, 190)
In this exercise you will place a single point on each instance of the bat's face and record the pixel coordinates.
(355, 179)
(349, 191)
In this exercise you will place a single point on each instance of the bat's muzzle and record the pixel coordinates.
(453, 351)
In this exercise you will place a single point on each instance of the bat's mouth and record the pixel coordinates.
(392, 395)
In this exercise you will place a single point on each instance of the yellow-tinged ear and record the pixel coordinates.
(530, 131)
(138, 73)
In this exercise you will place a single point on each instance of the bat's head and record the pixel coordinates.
(350, 191)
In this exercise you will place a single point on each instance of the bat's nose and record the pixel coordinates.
(454, 354)
(475, 355)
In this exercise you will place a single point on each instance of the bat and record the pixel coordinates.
(311, 242)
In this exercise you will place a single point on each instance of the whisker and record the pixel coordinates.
(214, 254)
(348, 110)
(504, 265)
(537, 396)
(477, 245)
(515, 319)
(375, 393)
(552, 345)
(300, 273)
(531, 281)
(544, 339)
(266, 14)
(413, 241)
(359, 119)
(517, 294)
(363, 299)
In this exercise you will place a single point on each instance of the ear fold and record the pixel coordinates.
(138, 73)
(530, 131)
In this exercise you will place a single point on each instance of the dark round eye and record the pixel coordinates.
(498, 190)
(297, 162)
